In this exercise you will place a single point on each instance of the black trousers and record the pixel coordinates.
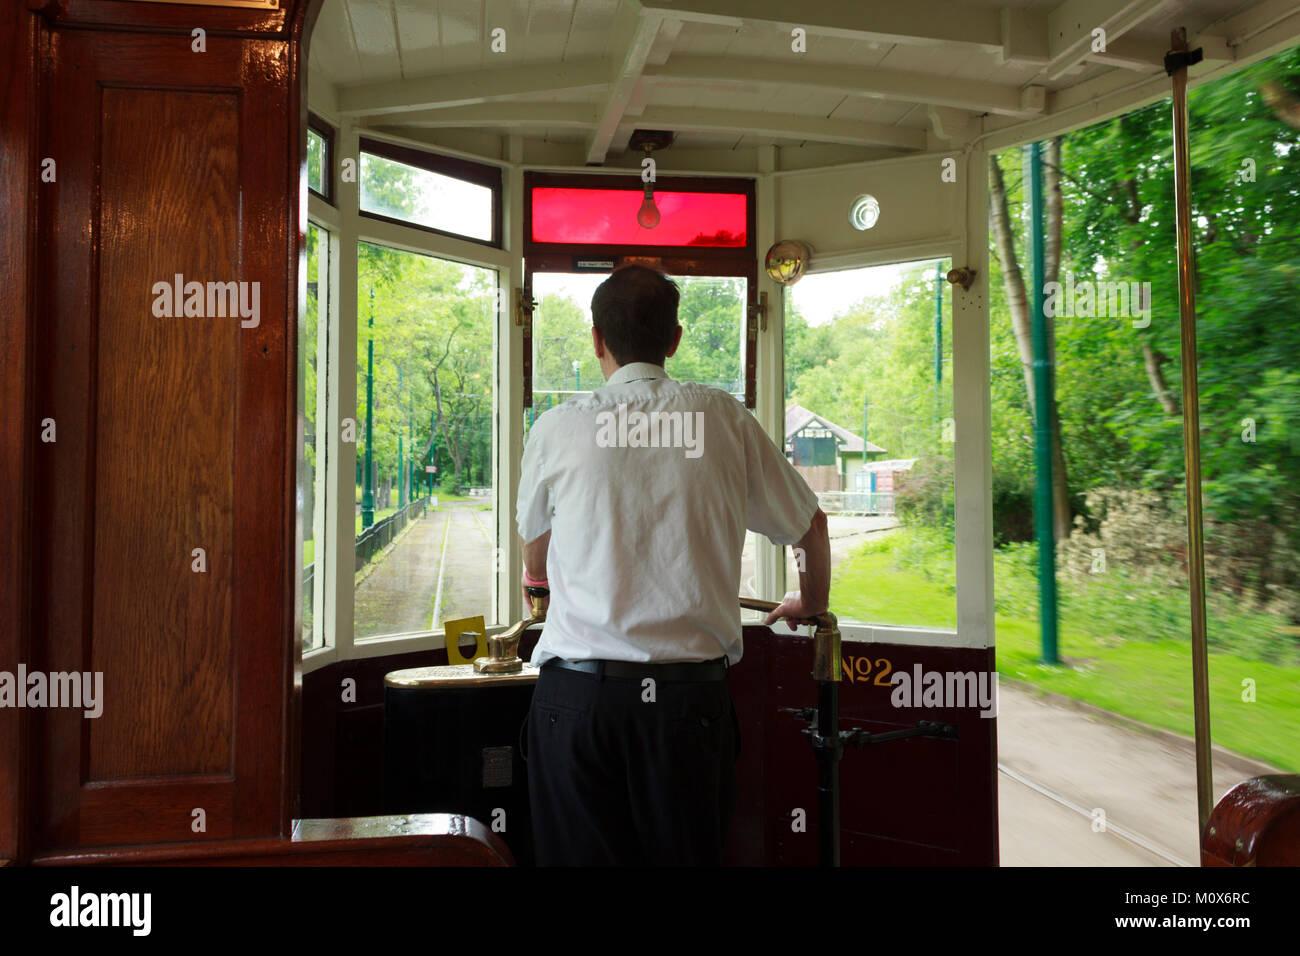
(615, 778)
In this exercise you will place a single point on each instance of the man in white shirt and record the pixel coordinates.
(633, 506)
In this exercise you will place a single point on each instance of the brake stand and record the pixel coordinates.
(828, 741)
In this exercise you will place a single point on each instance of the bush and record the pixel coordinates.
(926, 495)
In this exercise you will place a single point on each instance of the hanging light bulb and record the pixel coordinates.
(648, 215)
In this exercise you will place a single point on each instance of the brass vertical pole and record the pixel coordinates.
(1176, 65)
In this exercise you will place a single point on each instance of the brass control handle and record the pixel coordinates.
(826, 639)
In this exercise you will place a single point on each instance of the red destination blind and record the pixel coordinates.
(608, 217)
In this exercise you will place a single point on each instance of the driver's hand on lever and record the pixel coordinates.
(802, 607)
(795, 611)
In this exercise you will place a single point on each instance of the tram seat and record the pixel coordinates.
(1257, 823)
(422, 839)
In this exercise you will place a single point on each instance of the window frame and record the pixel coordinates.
(479, 174)
(323, 129)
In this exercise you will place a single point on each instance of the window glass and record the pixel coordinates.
(609, 217)
(711, 311)
(317, 163)
(871, 350)
(433, 200)
(312, 366)
(425, 516)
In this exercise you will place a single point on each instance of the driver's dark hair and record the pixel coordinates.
(635, 311)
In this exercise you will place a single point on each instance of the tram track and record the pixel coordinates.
(1124, 833)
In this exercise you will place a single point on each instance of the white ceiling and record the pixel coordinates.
(877, 78)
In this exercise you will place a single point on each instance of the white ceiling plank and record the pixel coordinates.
(1071, 26)
(478, 86)
(332, 47)
(460, 32)
(922, 88)
(512, 17)
(418, 41)
(889, 21)
(548, 30)
(374, 36)
(637, 29)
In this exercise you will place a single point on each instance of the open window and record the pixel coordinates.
(869, 424)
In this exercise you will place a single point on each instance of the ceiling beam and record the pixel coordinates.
(570, 115)
(884, 21)
(789, 126)
(726, 72)
(1133, 53)
(478, 86)
(678, 119)
(637, 28)
(1070, 28)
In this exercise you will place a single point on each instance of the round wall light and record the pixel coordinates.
(864, 212)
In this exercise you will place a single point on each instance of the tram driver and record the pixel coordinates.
(633, 506)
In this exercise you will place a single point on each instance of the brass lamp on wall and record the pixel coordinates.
(787, 261)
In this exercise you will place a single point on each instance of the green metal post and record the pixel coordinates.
(938, 323)
(409, 466)
(367, 487)
(1042, 413)
(401, 451)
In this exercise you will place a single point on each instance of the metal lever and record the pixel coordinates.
(503, 648)
(825, 735)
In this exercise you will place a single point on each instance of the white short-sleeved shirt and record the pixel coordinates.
(647, 486)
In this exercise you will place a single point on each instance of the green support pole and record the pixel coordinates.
(367, 486)
(1042, 413)
(938, 324)
(409, 467)
(401, 451)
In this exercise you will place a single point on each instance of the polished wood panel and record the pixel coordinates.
(417, 839)
(173, 433)
(19, 179)
(165, 395)
(129, 14)
(1257, 823)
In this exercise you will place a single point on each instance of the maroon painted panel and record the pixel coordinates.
(908, 802)
(342, 756)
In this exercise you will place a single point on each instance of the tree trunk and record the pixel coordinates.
(1012, 277)
(1018, 303)
(1154, 359)
(1284, 104)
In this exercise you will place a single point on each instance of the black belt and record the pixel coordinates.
(694, 671)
